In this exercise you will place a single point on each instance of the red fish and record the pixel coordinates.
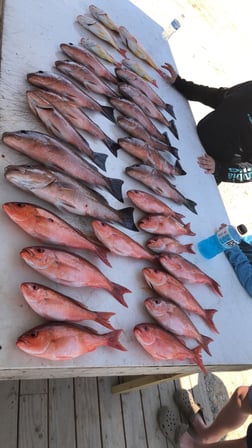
(151, 204)
(164, 225)
(53, 305)
(61, 341)
(170, 288)
(71, 270)
(156, 181)
(161, 244)
(163, 346)
(118, 242)
(172, 318)
(187, 272)
(49, 228)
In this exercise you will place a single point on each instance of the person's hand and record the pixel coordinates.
(207, 163)
(171, 78)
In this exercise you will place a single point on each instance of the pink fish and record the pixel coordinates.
(62, 341)
(162, 345)
(170, 288)
(172, 318)
(70, 269)
(187, 272)
(53, 305)
(164, 225)
(139, 70)
(103, 17)
(151, 204)
(118, 242)
(161, 244)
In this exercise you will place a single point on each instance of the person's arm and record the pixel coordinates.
(242, 267)
(209, 96)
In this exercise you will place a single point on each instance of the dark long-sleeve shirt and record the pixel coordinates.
(226, 132)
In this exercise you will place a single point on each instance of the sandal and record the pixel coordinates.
(170, 426)
(186, 404)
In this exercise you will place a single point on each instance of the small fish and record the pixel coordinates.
(136, 129)
(139, 70)
(62, 341)
(170, 288)
(119, 243)
(172, 318)
(82, 56)
(79, 119)
(150, 204)
(99, 51)
(160, 244)
(69, 269)
(85, 77)
(187, 272)
(164, 225)
(135, 80)
(164, 346)
(136, 48)
(131, 110)
(53, 305)
(50, 152)
(60, 127)
(91, 24)
(49, 228)
(148, 155)
(103, 17)
(59, 84)
(147, 106)
(65, 193)
(156, 181)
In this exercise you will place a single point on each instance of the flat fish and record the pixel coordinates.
(67, 194)
(95, 27)
(69, 269)
(157, 182)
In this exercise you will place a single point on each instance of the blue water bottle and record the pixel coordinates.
(225, 238)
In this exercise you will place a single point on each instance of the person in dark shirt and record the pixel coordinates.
(226, 132)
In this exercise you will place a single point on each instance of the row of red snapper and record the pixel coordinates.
(59, 104)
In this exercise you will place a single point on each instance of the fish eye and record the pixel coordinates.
(33, 334)
(50, 220)
(156, 301)
(35, 287)
(146, 328)
(20, 205)
(40, 71)
(103, 224)
(23, 131)
(40, 250)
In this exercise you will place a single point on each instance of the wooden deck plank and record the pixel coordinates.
(33, 424)
(151, 404)
(9, 398)
(61, 413)
(87, 413)
(33, 387)
(133, 421)
(112, 428)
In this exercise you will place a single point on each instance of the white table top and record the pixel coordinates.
(32, 34)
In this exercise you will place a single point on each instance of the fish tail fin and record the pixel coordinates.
(205, 342)
(123, 53)
(170, 110)
(198, 359)
(215, 286)
(190, 205)
(118, 292)
(167, 138)
(174, 151)
(102, 254)
(113, 340)
(173, 129)
(108, 112)
(127, 219)
(179, 169)
(154, 82)
(188, 228)
(100, 160)
(103, 319)
(189, 248)
(115, 188)
(209, 320)
(111, 145)
(179, 217)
